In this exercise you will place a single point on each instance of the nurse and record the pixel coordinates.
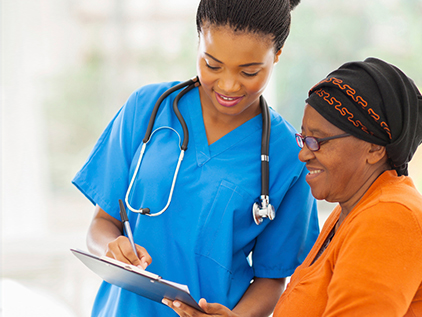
(207, 238)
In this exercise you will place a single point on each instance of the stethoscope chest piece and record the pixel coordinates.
(263, 210)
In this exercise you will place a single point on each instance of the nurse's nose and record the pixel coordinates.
(228, 84)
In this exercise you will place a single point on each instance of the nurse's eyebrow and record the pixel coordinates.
(251, 64)
(210, 56)
(243, 65)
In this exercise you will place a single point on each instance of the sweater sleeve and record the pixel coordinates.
(379, 264)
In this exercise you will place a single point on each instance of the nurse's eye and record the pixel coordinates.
(212, 67)
(247, 74)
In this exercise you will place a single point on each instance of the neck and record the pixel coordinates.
(218, 124)
(347, 207)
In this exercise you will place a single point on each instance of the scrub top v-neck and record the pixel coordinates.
(205, 152)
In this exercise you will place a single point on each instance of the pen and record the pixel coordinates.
(126, 224)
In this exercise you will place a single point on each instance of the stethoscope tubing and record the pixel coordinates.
(189, 84)
(179, 116)
(265, 144)
(141, 155)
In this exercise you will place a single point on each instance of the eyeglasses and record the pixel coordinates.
(314, 143)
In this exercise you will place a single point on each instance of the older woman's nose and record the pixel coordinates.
(306, 154)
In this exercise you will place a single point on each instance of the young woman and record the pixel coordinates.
(204, 237)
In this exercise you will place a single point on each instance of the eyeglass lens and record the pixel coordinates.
(311, 142)
(299, 140)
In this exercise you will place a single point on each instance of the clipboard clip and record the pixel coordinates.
(143, 272)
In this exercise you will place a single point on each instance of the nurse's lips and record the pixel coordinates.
(227, 101)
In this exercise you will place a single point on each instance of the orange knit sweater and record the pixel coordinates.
(373, 264)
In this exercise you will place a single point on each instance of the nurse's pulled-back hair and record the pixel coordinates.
(267, 17)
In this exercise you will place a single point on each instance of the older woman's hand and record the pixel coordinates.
(210, 309)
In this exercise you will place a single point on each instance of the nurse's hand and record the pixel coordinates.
(210, 309)
(121, 249)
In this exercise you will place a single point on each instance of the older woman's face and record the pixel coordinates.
(339, 168)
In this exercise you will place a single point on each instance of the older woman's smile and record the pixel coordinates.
(313, 173)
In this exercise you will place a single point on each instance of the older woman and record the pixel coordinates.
(361, 126)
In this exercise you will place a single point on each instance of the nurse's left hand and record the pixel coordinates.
(210, 309)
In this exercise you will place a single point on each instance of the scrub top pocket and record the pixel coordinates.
(221, 245)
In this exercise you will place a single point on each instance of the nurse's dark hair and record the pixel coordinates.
(264, 17)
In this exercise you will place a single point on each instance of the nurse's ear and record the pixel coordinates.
(277, 55)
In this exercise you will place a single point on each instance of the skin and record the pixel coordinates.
(105, 237)
(235, 65)
(234, 69)
(343, 169)
(266, 292)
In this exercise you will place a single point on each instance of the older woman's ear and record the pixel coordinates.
(377, 153)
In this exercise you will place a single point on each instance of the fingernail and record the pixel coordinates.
(176, 304)
(165, 301)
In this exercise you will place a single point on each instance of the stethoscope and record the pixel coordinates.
(261, 209)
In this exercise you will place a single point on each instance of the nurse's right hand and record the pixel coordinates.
(121, 249)
(105, 237)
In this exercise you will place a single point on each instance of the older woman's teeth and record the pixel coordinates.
(315, 172)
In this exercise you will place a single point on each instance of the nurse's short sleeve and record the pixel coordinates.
(104, 177)
(287, 240)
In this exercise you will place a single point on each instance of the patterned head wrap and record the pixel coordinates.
(376, 102)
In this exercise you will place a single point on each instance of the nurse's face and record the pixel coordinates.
(234, 69)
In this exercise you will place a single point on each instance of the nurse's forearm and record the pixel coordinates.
(260, 298)
(103, 229)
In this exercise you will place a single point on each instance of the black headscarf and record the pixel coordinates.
(376, 102)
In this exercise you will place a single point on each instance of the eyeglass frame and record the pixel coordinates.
(301, 140)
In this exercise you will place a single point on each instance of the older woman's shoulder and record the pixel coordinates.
(390, 188)
(394, 202)
(401, 190)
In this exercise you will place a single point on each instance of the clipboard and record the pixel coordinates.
(136, 280)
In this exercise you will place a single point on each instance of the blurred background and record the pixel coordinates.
(67, 66)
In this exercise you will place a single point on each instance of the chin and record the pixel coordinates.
(318, 195)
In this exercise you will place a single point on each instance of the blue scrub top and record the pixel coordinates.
(205, 236)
